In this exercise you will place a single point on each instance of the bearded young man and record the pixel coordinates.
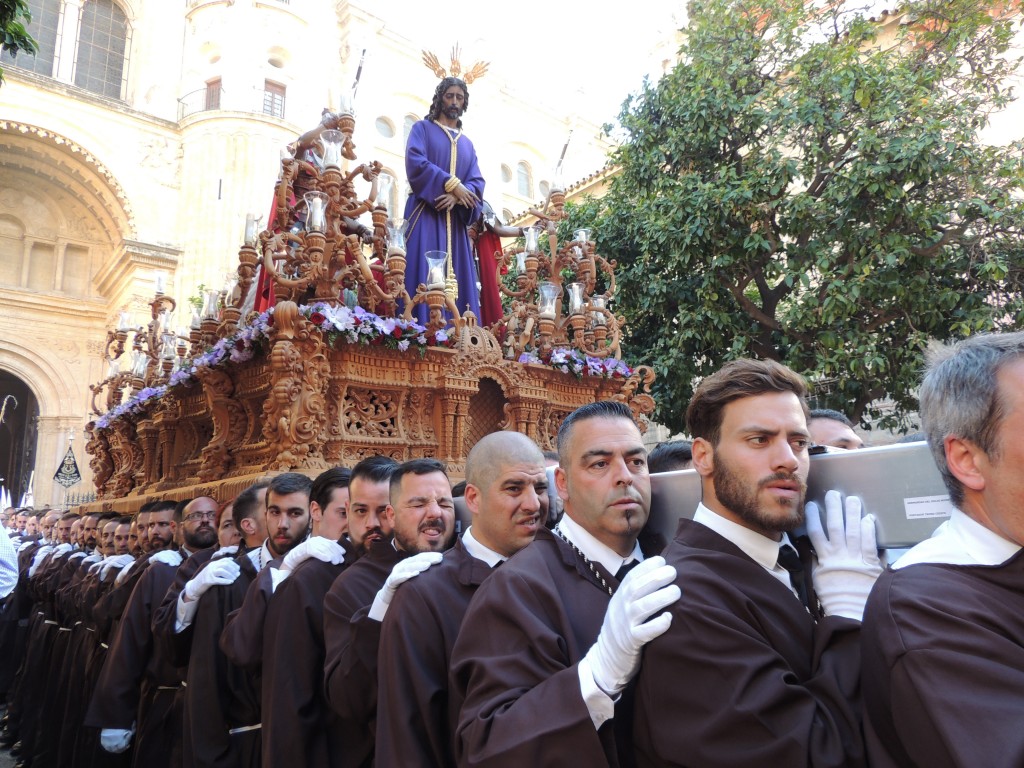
(421, 521)
(752, 670)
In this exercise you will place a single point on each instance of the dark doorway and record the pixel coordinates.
(17, 435)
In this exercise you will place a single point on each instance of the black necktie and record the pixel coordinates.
(790, 560)
(624, 569)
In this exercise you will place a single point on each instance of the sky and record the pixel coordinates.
(585, 56)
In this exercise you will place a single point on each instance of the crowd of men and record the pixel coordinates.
(344, 621)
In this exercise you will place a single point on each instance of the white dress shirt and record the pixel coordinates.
(479, 551)
(961, 540)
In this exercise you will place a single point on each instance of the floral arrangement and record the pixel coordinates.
(343, 325)
(569, 360)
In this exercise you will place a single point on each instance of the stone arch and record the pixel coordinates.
(53, 387)
(42, 153)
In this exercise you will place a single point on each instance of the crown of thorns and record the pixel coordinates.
(431, 62)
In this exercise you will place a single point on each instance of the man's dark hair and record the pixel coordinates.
(459, 489)
(147, 507)
(164, 504)
(436, 104)
(413, 467)
(287, 484)
(734, 381)
(126, 520)
(327, 482)
(106, 517)
(670, 456)
(69, 516)
(551, 455)
(602, 409)
(246, 502)
(376, 469)
(828, 413)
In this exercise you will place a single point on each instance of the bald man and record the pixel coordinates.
(506, 492)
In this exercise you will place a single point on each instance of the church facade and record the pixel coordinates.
(136, 140)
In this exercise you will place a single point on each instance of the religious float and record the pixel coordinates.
(336, 368)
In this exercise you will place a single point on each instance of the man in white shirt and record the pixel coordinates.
(944, 628)
(547, 682)
(761, 665)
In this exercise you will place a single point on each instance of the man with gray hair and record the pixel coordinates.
(943, 639)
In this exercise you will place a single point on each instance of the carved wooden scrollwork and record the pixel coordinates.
(295, 413)
(101, 464)
(371, 412)
(229, 423)
(640, 402)
(419, 420)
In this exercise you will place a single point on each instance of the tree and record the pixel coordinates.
(15, 37)
(796, 189)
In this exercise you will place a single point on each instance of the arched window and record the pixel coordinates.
(43, 28)
(506, 215)
(544, 189)
(525, 179)
(393, 209)
(410, 121)
(385, 127)
(101, 59)
(506, 174)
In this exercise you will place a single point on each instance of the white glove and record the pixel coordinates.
(41, 553)
(225, 551)
(615, 657)
(62, 549)
(122, 577)
(276, 577)
(401, 573)
(115, 562)
(116, 740)
(171, 557)
(218, 572)
(848, 562)
(319, 547)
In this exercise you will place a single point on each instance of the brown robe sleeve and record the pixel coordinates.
(242, 638)
(116, 700)
(515, 665)
(944, 666)
(173, 645)
(295, 723)
(220, 696)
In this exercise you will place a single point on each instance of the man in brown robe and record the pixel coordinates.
(421, 521)
(506, 492)
(747, 674)
(222, 701)
(298, 726)
(943, 644)
(552, 639)
(135, 696)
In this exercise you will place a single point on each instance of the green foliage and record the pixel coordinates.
(15, 37)
(797, 189)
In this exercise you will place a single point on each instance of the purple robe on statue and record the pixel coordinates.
(427, 165)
